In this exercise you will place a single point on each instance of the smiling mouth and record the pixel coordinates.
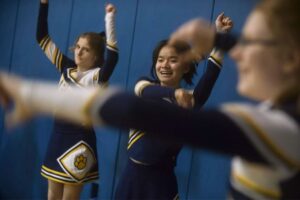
(164, 73)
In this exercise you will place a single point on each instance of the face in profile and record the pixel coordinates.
(84, 56)
(258, 58)
(170, 67)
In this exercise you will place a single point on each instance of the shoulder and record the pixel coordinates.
(273, 131)
(263, 115)
(142, 83)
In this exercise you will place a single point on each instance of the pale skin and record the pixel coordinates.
(184, 97)
(262, 68)
(85, 59)
(263, 63)
(265, 71)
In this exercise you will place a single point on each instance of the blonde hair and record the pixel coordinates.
(283, 19)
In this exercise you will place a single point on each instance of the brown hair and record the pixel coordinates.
(283, 18)
(97, 44)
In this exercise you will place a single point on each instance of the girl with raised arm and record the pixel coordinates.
(71, 159)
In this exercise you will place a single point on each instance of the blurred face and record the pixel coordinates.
(170, 67)
(84, 56)
(258, 59)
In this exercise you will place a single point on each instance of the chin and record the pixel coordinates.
(251, 93)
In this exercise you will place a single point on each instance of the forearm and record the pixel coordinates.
(211, 130)
(111, 39)
(112, 53)
(158, 92)
(204, 129)
(207, 81)
(42, 25)
(45, 98)
(150, 89)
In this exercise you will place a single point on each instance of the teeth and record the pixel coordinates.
(166, 73)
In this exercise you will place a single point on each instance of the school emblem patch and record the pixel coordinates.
(77, 161)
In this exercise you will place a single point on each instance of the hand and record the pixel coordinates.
(184, 98)
(10, 93)
(44, 1)
(110, 8)
(199, 34)
(223, 24)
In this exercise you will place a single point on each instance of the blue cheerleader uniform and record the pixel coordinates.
(264, 139)
(149, 173)
(71, 157)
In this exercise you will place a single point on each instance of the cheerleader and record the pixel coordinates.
(71, 158)
(263, 139)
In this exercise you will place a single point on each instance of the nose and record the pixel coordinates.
(165, 64)
(79, 51)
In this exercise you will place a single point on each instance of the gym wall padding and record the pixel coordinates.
(140, 25)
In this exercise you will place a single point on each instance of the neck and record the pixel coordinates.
(170, 85)
(83, 69)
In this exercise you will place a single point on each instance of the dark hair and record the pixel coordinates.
(182, 48)
(96, 42)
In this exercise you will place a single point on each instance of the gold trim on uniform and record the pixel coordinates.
(264, 138)
(217, 62)
(112, 47)
(255, 187)
(176, 197)
(44, 42)
(134, 137)
(62, 177)
(44, 168)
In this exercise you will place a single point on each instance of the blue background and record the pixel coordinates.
(140, 25)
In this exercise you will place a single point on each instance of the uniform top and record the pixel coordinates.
(151, 151)
(67, 66)
(70, 76)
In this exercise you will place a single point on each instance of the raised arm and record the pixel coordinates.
(203, 37)
(112, 54)
(206, 83)
(45, 42)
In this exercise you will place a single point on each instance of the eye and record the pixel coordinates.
(160, 60)
(174, 60)
(77, 46)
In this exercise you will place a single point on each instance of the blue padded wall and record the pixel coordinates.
(140, 25)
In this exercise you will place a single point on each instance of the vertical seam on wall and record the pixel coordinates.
(10, 62)
(126, 87)
(14, 37)
(190, 174)
(69, 30)
(212, 10)
(193, 150)
(132, 42)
